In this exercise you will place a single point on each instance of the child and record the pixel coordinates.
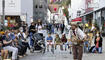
(58, 41)
(64, 40)
(50, 42)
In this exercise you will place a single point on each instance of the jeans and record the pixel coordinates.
(14, 51)
(67, 44)
(86, 46)
(31, 40)
(97, 49)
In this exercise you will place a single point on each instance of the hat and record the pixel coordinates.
(73, 23)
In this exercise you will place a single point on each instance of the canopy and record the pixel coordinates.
(77, 20)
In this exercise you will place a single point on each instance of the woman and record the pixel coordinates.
(98, 44)
(64, 40)
(23, 37)
(58, 41)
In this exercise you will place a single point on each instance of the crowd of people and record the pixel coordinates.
(15, 40)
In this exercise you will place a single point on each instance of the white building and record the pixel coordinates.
(12, 7)
(97, 4)
(75, 7)
(56, 16)
(18, 10)
(27, 10)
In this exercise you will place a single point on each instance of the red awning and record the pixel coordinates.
(77, 19)
(104, 24)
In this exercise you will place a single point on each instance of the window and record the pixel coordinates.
(40, 6)
(36, 6)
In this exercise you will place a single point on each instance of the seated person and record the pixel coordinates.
(98, 44)
(64, 40)
(58, 41)
(4, 53)
(49, 41)
(87, 43)
(7, 41)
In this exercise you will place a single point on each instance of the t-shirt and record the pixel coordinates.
(7, 39)
(49, 38)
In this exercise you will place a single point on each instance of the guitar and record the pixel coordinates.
(75, 40)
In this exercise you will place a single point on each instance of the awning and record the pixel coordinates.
(77, 20)
(104, 24)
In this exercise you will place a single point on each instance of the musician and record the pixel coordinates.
(77, 37)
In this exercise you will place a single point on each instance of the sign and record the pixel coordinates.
(12, 7)
(88, 6)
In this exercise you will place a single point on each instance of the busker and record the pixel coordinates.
(77, 36)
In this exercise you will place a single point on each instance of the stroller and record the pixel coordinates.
(39, 42)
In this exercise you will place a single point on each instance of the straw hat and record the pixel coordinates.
(73, 24)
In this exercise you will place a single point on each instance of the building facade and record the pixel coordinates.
(17, 10)
(40, 10)
(76, 6)
(92, 11)
(12, 11)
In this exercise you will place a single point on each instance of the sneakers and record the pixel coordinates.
(20, 56)
(31, 50)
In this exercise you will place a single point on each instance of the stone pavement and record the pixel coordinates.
(63, 55)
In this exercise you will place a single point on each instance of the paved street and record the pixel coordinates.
(63, 55)
(20, 19)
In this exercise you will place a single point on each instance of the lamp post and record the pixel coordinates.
(3, 11)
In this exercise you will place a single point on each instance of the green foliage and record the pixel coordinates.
(66, 2)
(65, 11)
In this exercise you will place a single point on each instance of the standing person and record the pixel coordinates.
(57, 26)
(52, 28)
(62, 26)
(98, 43)
(77, 36)
(24, 27)
(31, 32)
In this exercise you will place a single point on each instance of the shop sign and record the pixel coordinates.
(88, 6)
(12, 7)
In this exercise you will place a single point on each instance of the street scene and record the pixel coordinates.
(52, 29)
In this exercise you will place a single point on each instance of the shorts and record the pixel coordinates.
(50, 43)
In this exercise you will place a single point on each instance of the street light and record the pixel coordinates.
(3, 11)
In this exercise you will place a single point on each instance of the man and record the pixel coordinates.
(77, 36)
(7, 41)
(4, 53)
(62, 26)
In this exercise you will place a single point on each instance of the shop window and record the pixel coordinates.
(36, 6)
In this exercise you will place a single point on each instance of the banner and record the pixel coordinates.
(12, 7)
